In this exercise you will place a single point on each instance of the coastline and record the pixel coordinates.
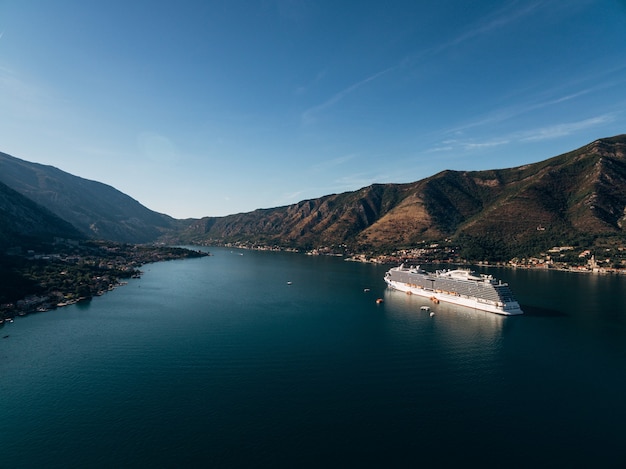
(435, 254)
(51, 281)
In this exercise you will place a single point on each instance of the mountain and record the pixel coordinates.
(95, 209)
(576, 198)
(25, 222)
(571, 198)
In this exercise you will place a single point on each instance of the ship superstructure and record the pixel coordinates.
(461, 287)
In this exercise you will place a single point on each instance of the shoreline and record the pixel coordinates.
(57, 280)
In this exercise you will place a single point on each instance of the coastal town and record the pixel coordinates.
(564, 258)
(72, 271)
(78, 271)
(610, 259)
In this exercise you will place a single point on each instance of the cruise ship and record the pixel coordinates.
(461, 287)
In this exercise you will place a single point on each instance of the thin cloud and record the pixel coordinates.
(449, 146)
(533, 135)
(310, 114)
(507, 16)
(348, 182)
(288, 199)
(499, 20)
(440, 148)
(23, 98)
(302, 89)
(503, 114)
(333, 163)
(482, 145)
(493, 22)
(562, 130)
(355, 181)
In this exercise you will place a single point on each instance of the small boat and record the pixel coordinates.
(288, 283)
(432, 314)
(425, 308)
(379, 301)
(366, 290)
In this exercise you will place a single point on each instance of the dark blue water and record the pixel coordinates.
(219, 362)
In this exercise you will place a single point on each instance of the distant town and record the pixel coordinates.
(604, 260)
(566, 258)
(72, 271)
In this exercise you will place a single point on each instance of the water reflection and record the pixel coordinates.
(456, 348)
(462, 322)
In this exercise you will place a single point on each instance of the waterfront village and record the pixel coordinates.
(564, 258)
(78, 271)
(610, 260)
(72, 271)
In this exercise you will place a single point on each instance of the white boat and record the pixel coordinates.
(460, 287)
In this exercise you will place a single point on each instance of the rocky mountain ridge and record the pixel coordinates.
(570, 198)
(578, 198)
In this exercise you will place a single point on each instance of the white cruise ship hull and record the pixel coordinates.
(506, 309)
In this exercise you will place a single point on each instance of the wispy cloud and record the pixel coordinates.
(356, 180)
(530, 104)
(440, 148)
(498, 20)
(309, 116)
(482, 145)
(332, 163)
(287, 199)
(565, 129)
(302, 89)
(348, 181)
(491, 23)
(507, 15)
(532, 135)
(467, 145)
(21, 97)
(292, 196)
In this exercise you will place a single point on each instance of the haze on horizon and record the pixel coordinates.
(208, 108)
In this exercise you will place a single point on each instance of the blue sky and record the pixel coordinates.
(208, 108)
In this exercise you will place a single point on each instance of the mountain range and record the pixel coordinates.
(575, 198)
(572, 198)
(95, 209)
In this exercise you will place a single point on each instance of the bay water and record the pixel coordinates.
(263, 359)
